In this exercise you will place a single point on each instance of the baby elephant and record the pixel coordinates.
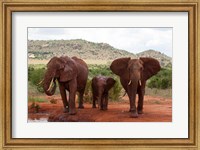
(100, 87)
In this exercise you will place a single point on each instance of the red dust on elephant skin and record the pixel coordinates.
(156, 109)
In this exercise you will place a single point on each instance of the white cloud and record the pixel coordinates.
(131, 39)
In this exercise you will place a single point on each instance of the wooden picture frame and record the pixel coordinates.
(9, 6)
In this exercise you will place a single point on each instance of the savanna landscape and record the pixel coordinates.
(98, 56)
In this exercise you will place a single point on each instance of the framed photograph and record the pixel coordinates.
(112, 74)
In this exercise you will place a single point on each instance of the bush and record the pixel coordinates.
(162, 80)
(95, 70)
(115, 92)
(88, 92)
(35, 75)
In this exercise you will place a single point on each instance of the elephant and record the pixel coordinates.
(100, 88)
(71, 75)
(133, 75)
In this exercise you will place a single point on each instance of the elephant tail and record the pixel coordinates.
(124, 94)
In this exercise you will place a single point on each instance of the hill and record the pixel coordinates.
(80, 48)
(162, 58)
(46, 49)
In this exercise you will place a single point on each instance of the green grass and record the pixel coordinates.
(36, 99)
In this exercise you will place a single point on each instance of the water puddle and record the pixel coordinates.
(39, 117)
(38, 120)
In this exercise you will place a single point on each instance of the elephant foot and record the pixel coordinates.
(72, 112)
(105, 108)
(65, 110)
(134, 114)
(80, 106)
(140, 111)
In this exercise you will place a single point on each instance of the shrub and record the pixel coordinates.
(115, 92)
(35, 75)
(95, 70)
(162, 80)
(88, 92)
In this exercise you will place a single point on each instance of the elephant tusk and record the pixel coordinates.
(50, 85)
(129, 82)
(40, 82)
(140, 82)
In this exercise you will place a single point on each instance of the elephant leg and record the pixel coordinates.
(105, 104)
(94, 101)
(140, 101)
(72, 95)
(102, 99)
(132, 96)
(64, 98)
(81, 99)
(100, 102)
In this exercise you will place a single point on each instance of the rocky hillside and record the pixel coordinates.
(44, 50)
(163, 59)
(80, 48)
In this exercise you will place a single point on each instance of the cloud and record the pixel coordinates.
(131, 39)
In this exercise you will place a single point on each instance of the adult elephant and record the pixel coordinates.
(100, 88)
(133, 75)
(71, 74)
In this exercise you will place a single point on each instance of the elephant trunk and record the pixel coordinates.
(49, 84)
(100, 101)
(134, 77)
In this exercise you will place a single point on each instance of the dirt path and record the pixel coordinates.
(156, 109)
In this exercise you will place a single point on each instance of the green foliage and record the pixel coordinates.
(35, 75)
(95, 70)
(88, 92)
(162, 80)
(115, 92)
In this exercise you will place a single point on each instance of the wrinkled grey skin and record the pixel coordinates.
(100, 88)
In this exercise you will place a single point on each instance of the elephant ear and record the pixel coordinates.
(69, 71)
(110, 83)
(119, 66)
(151, 67)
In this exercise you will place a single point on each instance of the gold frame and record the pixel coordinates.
(9, 6)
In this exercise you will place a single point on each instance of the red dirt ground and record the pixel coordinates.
(156, 109)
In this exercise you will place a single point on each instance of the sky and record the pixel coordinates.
(134, 40)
